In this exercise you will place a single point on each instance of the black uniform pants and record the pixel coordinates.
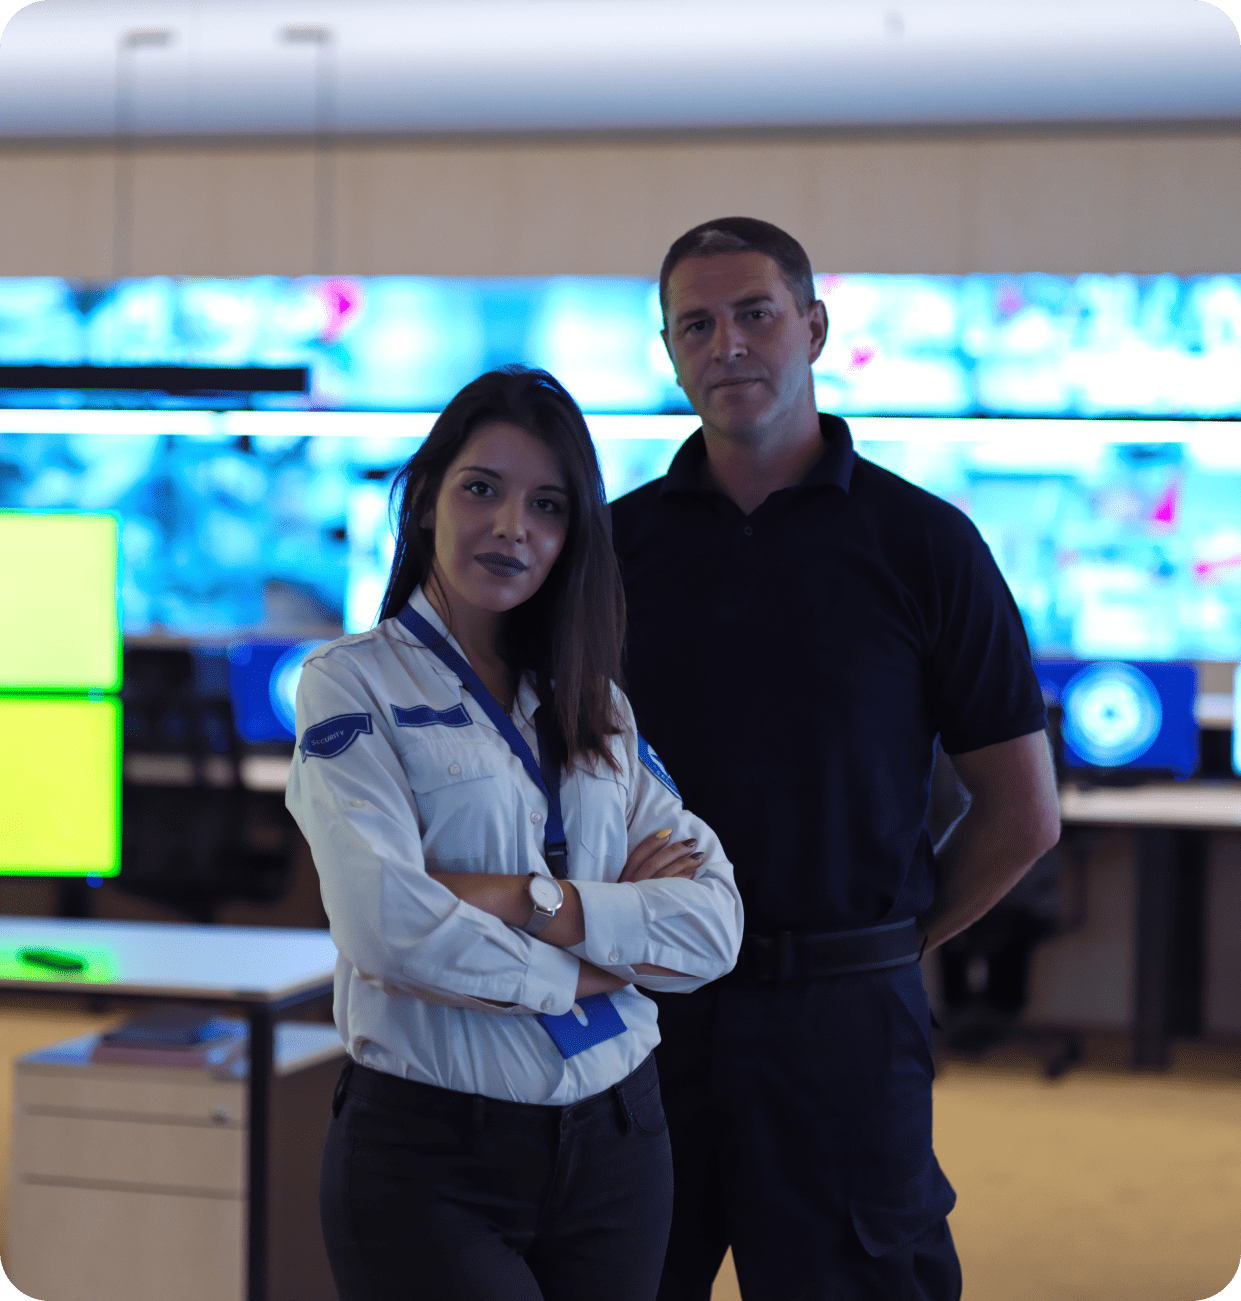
(800, 1118)
(432, 1195)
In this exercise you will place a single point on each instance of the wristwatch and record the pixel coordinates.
(546, 896)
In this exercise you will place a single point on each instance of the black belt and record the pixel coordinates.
(797, 955)
(398, 1094)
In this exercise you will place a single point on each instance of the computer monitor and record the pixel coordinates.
(262, 679)
(60, 786)
(58, 591)
(60, 729)
(1123, 716)
(1236, 721)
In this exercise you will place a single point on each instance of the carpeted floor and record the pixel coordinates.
(1105, 1185)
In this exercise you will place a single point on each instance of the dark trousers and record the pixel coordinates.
(432, 1195)
(800, 1118)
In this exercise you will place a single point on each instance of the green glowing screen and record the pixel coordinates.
(60, 786)
(58, 591)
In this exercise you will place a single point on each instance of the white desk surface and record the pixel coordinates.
(254, 964)
(295, 1047)
(1159, 804)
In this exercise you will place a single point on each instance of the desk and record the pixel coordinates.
(265, 972)
(1164, 811)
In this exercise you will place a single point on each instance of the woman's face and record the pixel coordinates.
(500, 519)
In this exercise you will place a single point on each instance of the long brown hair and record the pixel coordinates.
(570, 632)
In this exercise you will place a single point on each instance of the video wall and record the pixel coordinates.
(1113, 547)
(1085, 425)
(1090, 345)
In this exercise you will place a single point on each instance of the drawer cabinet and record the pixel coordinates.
(129, 1182)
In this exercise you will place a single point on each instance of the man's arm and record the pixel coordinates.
(1013, 820)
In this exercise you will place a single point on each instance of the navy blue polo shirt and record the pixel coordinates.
(793, 667)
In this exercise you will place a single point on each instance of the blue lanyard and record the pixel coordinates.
(542, 771)
(601, 1019)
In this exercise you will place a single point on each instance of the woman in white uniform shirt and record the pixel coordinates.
(497, 1132)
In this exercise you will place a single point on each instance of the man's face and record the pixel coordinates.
(741, 349)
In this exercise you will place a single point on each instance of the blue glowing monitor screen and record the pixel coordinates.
(262, 679)
(1236, 720)
(1119, 714)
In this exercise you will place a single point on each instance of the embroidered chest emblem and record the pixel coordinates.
(425, 716)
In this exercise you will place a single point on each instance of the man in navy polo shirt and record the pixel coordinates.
(803, 625)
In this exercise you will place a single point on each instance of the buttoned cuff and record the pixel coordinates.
(615, 923)
(551, 980)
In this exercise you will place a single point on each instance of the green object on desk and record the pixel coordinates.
(52, 959)
(83, 964)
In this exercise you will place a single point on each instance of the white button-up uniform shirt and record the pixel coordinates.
(385, 790)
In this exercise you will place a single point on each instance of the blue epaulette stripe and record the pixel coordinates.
(425, 716)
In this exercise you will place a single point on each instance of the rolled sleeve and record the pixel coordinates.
(613, 913)
(550, 983)
(689, 926)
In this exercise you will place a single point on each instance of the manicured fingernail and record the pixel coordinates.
(663, 835)
(698, 857)
(689, 844)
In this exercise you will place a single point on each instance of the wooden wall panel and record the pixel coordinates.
(1139, 200)
(232, 211)
(56, 211)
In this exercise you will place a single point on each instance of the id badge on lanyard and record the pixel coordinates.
(594, 1019)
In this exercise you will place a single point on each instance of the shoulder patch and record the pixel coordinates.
(333, 736)
(656, 765)
(425, 716)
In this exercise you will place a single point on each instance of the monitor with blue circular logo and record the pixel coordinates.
(1119, 715)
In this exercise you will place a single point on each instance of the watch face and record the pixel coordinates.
(545, 892)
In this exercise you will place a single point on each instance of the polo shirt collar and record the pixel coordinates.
(833, 469)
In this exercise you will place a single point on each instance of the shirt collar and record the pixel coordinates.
(527, 698)
(833, 468)
(422, 605)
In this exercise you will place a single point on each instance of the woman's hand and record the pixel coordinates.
(657, 856)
